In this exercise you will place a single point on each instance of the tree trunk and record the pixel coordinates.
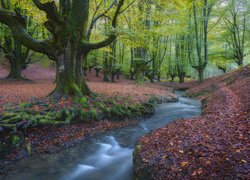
(240, 62)
(70, 81)
(106, 67)
(118, 75)
(182, 78)
(15, 70)
(16, 62)
(159, 78)
(172, 78)
(97, 72)
(112, 77)
(201, 74)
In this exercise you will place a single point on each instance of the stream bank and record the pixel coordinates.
(65, 124)
(215, 144)
(105, 156)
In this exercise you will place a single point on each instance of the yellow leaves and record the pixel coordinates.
(244, 161)
(164, 157)
(184, 164)
(208, 163)
(31, 10)
(181, 151)
(197, 172)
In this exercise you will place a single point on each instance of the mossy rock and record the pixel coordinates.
(9, 127)
(25, 105)
(83, 101)
(147, 109)
(15, 140)
(100, 105)
(49, 117)
(45, 122)
(65, 115)
(12, 120)
(93, 114)
(25, 115)
(8, 115)
(28, 149)
(38, 116)
(33, 121)
(32, 112)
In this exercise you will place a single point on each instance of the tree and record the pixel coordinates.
(69, 44)
(201, 36)
(181, 55)
(236, 31)
(17, 55)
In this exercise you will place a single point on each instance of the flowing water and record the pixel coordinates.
(103, 157)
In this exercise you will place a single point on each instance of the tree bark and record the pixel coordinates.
(15, 70)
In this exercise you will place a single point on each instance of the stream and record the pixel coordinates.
(103, 157)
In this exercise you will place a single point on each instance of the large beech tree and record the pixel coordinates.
(69, 44)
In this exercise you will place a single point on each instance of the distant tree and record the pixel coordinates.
(201, 35)
(235, 36)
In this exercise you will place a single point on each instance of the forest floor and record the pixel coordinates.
(214, 145)
(13, 94)
(42, 84)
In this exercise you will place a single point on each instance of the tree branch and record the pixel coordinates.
(51, 11)
(96, 18)
(127, 6)
(17, 25)
(91, 46)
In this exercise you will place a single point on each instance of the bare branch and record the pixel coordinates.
(92, 46)
(127, 6)
(96, 18)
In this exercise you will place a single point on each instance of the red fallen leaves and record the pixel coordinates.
(56, 138)
(215, 144)
(16, 92)
(140, 93)
(42, 84)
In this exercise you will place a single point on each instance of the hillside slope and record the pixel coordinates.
(214, 145)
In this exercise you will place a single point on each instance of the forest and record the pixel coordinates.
(124, 89)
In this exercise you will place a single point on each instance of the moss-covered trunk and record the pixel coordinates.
(15, 70)
(16, 59)
(70, 80)
(70, 59)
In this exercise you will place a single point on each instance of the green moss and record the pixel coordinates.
(24, 105)
(45, 121)
(83, 101)
(8, 115)
(15, 140)
(28, 148)
(12, 120)
(93, 114)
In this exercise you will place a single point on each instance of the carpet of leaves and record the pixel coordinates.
(215, 144)
(13, 92)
